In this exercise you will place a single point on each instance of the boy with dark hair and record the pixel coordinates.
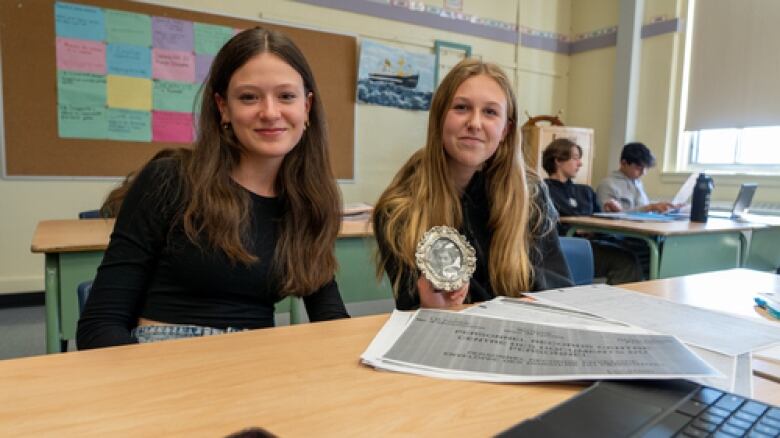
(622, 190)
(561, 160)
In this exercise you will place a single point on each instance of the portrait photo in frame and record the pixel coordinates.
(447, 55)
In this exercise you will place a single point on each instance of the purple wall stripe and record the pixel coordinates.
(661, 27)
(545, 43)
(597, 42)
(408, 16)
(391, 12)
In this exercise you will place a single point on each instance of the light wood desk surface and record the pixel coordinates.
(302, 380)
(74, 235)
(671, 228)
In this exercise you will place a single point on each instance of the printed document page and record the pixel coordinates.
(475, 347)
(717, 331)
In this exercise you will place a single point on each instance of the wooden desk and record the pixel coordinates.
(300, 380)
(685, 247)
(74, 248)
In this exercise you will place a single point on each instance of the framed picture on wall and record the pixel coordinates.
(447, 55)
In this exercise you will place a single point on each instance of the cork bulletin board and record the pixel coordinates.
(38, 142)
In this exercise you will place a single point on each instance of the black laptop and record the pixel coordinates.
(741, 204)
(652, 408)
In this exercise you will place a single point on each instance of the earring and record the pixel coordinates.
(226, 126)
(305, 125)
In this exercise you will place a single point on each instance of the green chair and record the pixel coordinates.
(764, 250)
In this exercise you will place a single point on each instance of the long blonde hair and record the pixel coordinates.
(422, 194)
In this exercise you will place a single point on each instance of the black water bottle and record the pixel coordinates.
(701, 198)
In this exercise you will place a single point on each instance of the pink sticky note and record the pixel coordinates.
(171, 65)
(172, 127)
(80, 55)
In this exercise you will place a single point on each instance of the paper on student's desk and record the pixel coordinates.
(686, 190)
(721, 332)
(484, 348)
(736, 370)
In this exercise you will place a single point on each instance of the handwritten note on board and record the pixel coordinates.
(210, 38)
(172, 127)
(129, 60)
(173, 65)
(174, 96)
(128, 28)
(81, 89)
(81, 121)
(80, 55)
(171, 34)
(129, 125)
(79, 22)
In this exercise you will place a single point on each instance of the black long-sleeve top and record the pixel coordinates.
(549, 266)
(152, 270)
(572, 199)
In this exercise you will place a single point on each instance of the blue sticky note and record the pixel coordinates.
(127, 60)
(79, 22)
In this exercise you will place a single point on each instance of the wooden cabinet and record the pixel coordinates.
(536, 138)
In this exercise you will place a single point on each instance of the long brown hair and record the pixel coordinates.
(422, 194)
(219, 211)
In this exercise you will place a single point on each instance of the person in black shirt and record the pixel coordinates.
(468, 177)
(561, 160)
(208, 239)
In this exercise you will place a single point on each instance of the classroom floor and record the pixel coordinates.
(22, 332)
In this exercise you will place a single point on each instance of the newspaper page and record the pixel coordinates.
(476, 347)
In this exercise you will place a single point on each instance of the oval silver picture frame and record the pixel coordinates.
(446, 258)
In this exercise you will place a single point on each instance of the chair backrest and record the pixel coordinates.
(579, 257)
(89, 214)
(83, 293)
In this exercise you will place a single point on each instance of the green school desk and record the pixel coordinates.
(678, 247)
(74, 248)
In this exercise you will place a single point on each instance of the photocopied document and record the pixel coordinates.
(716, 331)
(485, 348)
(736, 371)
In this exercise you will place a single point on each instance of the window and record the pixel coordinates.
(750, 150)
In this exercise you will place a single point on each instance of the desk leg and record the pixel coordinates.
(652, 244)
(52, 295)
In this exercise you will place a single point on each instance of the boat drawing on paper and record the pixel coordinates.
(390, 76)
(400, 77)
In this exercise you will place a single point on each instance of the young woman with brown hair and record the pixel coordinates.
(470, 176)
(208, 240)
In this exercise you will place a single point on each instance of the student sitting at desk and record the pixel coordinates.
(207, 241)
(561, 160)
(622, 190)
(468, 176)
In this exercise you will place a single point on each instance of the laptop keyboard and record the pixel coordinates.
(713, 413)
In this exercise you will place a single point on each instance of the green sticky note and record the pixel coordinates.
(210, 38)
(174, 96)
(80, 89)
(128, 28)
(82, 121)
(129, 125)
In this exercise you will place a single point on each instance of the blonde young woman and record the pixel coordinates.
(208, 240)
(470, 176)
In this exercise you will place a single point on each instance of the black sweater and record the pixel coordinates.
(549, 267)
(152, 270)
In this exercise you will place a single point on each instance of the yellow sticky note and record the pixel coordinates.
(129, 93)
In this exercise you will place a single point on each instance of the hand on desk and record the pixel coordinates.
(661, 207)
(612, 206)
(430, 298)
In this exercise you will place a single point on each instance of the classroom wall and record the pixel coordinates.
(581, 85)
(385, 137)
